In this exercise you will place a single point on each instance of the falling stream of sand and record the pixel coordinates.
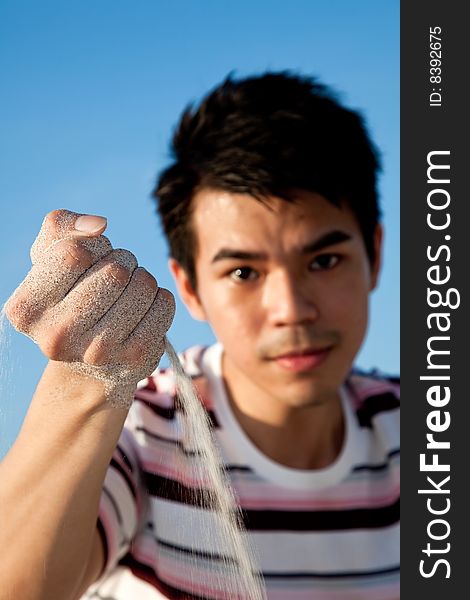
(239, 569)
(5, 373)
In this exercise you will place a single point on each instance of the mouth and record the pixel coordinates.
(298, 361)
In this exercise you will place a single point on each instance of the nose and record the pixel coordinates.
(287, 302)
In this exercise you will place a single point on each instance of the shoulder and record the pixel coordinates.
(159, 390)
(374, 393)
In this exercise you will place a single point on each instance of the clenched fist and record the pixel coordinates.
(90, 306)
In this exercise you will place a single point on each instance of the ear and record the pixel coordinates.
(186, 291)
(378, 244)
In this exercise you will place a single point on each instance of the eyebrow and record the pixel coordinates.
(329, 239)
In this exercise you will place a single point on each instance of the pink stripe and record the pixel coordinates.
(138, 494)
(110, 526)
(346, 495)
(383, 592)
(175, 473)
(366, 388)
(162, 398)
(173, 570)
(365, 502)
(350, 495)
(147, 553)
(118, 458)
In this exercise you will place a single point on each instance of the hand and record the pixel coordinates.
(91, 306)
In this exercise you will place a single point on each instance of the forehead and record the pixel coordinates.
(222, 218)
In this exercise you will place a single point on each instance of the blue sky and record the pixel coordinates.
(91, 90)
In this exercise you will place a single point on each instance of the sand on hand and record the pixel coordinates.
(101, 298)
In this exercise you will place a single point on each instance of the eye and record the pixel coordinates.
(324, 262)
(243, 274)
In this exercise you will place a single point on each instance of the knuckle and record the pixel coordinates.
(54, 226)
(119, 265)
(163, 310)
(95, 354)
(54, 214)
(125, 258)
(19, 312)
(73, 254)
(143, 277)
(99, 246)
(55, 218)
(10, 307)
(54, 343)
(136, 352)
(116, 273)
(167, 296)
(52, 217)
(169, 302)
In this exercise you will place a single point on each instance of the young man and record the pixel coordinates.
(271, 214)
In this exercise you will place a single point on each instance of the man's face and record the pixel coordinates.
(285, 288)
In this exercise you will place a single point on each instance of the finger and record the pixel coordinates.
(49, 280)
(86, 303)
(146, 340)
(121, 319)
(62, 223)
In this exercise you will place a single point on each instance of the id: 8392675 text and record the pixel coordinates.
(435, 66)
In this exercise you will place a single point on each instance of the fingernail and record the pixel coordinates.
(90, 223)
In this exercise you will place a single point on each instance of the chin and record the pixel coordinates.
(314, 395)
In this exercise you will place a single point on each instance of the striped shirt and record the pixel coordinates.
(326, 534)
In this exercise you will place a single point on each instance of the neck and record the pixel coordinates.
(300, 437)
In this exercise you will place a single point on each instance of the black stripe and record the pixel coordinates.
(124, 458)
(274, 575)
(213, 422)
(169, 413)
(101, 531)
(374, 405)
(176, 443)
(333, 575)
(114, 463)
(148, 574)
(165, 413)
(194, 552)
(114, 505)
(124, 541)
(278, 520)
(169, 489)
(374, 374)
(378, 467)
(322, 520)
(241, 468)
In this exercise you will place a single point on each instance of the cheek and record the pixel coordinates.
(238, 339)
(238, 330)
(347, 306)
(234, 320)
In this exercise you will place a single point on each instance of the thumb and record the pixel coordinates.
(60, 224)
(90, 224)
